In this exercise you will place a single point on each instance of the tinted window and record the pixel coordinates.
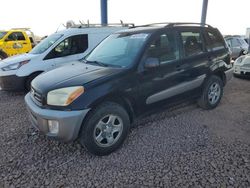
(192, 42)
(214, 40)
(164, 48)
(70, 46)
(16, 36)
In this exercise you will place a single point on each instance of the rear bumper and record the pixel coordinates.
(12, 83)
(69, 121)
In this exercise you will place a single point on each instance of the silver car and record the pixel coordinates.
(242, 66)
(237, 45)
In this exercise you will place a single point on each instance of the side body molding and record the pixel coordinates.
(181, 88)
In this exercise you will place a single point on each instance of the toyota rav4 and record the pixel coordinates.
(128, 74)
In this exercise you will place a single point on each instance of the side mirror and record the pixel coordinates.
(152, 63)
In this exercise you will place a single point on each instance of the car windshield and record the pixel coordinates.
(119, 50)
(243, 42)
(2, 33)
(45, 44)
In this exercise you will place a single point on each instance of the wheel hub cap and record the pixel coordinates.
(108, 130)
(214, 93)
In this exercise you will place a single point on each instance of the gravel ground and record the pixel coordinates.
(180, 147)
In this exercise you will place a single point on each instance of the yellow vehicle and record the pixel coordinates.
(15, 41)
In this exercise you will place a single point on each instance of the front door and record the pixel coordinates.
(15, 43)
(159, 83)
(70, 49)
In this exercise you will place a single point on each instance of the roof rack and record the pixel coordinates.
(172, 24)
(188, 23)
(21, 28)
(87, 25)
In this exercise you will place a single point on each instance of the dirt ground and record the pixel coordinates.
(184, 146)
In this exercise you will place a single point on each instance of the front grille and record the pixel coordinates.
(37, 97)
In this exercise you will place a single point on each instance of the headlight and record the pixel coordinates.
(15, 66)
(64, 96)
(239, 60)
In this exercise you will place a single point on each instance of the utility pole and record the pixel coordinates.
(204, 12)
(104, 12)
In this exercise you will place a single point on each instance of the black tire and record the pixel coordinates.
(209, 98)
(3, 55)
(29, 80)
(90, 130)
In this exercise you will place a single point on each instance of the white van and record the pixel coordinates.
(60, 48)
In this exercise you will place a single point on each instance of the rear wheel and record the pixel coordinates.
(105, 129)
(212, 93)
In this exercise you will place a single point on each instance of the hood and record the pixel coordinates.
(76, 74)
(16, 59)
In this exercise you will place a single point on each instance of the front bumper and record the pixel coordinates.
(229, 74)
(69, 121)
(12, 83)
(238, 70)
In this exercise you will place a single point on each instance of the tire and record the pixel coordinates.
(29, 80)
(105, 129)
(211, 93)
(3, 55)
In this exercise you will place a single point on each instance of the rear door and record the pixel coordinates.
(16, 43)
(195, 59)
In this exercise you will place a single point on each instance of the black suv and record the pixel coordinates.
(129, 74)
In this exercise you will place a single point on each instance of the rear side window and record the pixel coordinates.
(164, 48)
(214, 40)
(192, 43)
(16, 36)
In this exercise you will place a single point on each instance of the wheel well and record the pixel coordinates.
(221, 75)
(3, 53)
(34, 74)
(121, 100)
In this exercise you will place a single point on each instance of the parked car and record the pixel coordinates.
(127, 75)
(237, 45)
(242, 66)
(16, 73)
(16, 41)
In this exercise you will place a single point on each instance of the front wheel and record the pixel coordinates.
(212, 93)
(105, 129)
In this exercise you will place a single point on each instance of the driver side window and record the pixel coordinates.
(70, 46)
(164, 48)
(16, 36)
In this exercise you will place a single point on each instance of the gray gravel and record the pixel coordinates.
(181, 147)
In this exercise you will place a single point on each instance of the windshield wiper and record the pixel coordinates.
(96, 63)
